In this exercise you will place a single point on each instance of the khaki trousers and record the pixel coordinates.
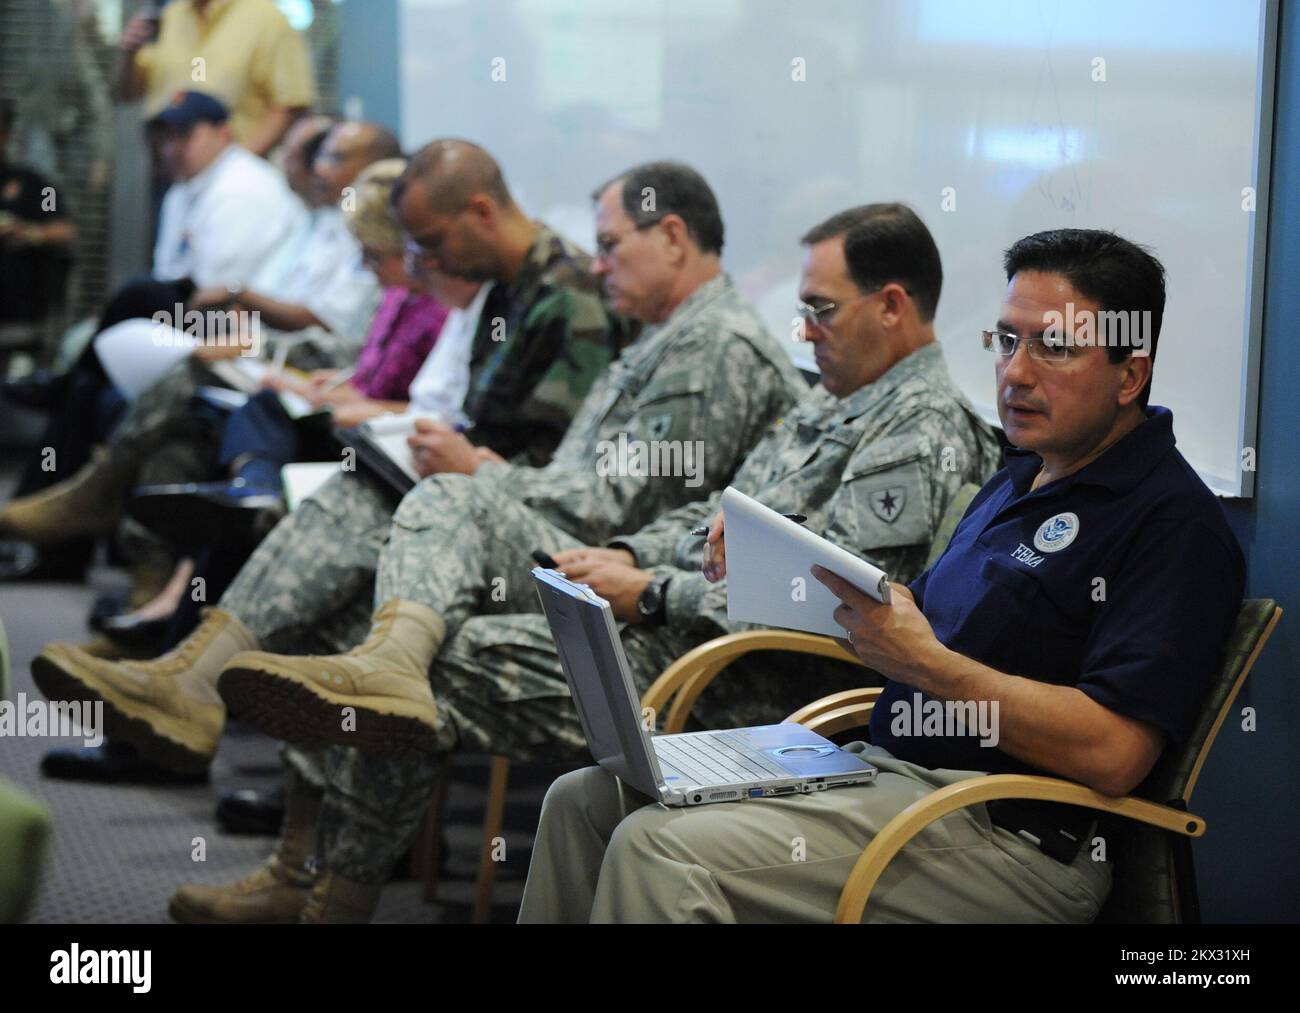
(604, 853)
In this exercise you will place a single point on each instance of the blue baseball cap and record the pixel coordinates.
(187, 108)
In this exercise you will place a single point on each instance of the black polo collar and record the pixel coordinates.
(1120, 468)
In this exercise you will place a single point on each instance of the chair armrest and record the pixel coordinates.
(689, 675)
(921, 813)
(840, 719)
(864, 697)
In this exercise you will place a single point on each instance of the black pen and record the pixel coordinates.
(543, 560)
(703, 529)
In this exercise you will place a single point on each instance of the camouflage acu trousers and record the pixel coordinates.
(456, 545)
(499, 689)
(463, 551)
(307, 588)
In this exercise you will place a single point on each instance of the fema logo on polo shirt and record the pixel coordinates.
(1056, 533)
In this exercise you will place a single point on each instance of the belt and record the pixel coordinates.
(1058, 830)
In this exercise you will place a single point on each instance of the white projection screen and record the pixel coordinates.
(993, 119)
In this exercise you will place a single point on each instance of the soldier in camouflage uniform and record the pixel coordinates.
(872, 461)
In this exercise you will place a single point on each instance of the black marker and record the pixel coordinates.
(703, 529)
(543, 560)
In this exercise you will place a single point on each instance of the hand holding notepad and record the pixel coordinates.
(391, 433)
(769, 570)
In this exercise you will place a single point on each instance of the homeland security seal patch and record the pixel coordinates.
(1056, 533)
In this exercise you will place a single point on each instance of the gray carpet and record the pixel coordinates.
(119, 852)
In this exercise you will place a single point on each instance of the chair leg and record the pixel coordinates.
(428, 844)
(1189, 901)
(493, 814)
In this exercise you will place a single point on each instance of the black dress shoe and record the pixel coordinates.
(18, 559)
(215, 513)
(107, 605)
(42, 389)
(111, 763)
(248, 811)
(21, 560)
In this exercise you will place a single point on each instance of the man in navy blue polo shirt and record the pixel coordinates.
(1072, 628)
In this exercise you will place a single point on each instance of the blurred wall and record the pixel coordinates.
(368, 64)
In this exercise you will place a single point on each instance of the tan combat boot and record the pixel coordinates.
(277, 891)
(376, 697)
(337, 900)
(88, 503)
(168, 709)
(106, 649)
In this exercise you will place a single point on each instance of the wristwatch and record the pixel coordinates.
(652, 603)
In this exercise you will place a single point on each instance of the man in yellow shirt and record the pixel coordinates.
(243, 52)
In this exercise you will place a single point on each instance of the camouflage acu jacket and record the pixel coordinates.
(873, 472)
(541, 342)
(668, 423)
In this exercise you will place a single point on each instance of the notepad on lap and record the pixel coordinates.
(769, 570)
(302, 478)
(383, 450)
(391, 431)
(246, 374)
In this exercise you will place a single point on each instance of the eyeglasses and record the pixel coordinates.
(607, 244)
(1044, 349)
(422, 249)
(818, 316)
(821, 316)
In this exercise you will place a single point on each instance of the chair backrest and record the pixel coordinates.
(948, 523)
(1147, 863)
(1175, 773)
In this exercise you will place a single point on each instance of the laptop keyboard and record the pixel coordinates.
(716, 758)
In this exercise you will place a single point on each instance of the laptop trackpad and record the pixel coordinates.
(801, 751)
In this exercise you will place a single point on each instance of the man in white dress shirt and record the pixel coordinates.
(228, 210)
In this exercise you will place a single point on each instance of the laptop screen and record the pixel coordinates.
(592, 657)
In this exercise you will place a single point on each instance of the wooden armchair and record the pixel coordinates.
(1147, 833)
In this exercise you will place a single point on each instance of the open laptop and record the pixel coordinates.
(692, 768)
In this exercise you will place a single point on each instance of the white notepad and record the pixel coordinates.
(389, 433)
(246, 374)
(136, 352)
(769, 570)
(302, 478)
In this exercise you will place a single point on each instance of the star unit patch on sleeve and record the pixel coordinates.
(888, 503)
